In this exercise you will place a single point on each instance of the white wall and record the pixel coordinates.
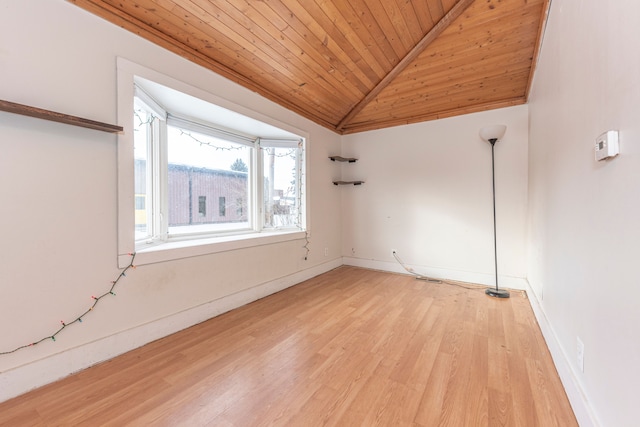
(585, 215)
(58, 210)
(427, 194)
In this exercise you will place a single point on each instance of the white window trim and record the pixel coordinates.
(126, 72)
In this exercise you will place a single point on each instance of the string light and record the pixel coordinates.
(78, 319)
(210, 144)
(306, 245)
(300, 195)
(299, 217)
(148, 121)
(291, 153)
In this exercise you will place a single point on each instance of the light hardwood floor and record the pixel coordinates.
(352, 347)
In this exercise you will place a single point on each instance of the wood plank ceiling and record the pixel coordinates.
(353, 65)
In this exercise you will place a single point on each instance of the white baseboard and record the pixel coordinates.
(440, 273)
(575, 393)
(22, 379)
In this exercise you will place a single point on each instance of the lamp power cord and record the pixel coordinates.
(419, 276)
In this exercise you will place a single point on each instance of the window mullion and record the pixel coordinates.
(160, 188)
(151, 129)
(258, 188)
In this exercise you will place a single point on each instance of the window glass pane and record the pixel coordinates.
(202, 169)
(281, 187)
(142, 130)
(222, 206)
(202, 205)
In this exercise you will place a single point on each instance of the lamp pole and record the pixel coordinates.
(498, 293)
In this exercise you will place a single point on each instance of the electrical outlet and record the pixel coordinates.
(393, 252)
(580, 354)
(326, 251)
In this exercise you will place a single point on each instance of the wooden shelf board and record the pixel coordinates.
(40, 113)
(343, 159)
(348, 182)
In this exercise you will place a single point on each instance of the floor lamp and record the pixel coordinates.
(492, 134)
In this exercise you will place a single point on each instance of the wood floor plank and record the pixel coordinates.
(349, 347)
(432, 403)
(367, 400)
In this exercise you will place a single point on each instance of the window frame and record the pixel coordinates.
(127, 73)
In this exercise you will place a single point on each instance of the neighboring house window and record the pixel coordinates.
(202, 205)
(222, 206)
(181, 160)
(239, 207)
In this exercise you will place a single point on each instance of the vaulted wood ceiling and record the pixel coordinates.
(353, 65)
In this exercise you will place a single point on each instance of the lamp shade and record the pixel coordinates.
(494, 132)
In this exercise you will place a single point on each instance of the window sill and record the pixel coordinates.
(197, 247)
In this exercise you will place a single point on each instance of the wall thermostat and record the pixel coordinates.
(607, 145)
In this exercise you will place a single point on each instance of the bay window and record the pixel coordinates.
(203, 174)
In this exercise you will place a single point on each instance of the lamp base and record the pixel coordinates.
(497, 293)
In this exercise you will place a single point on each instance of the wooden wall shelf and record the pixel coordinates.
(343, 159)
(348, 160)
(348, 182)
(53, 116)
